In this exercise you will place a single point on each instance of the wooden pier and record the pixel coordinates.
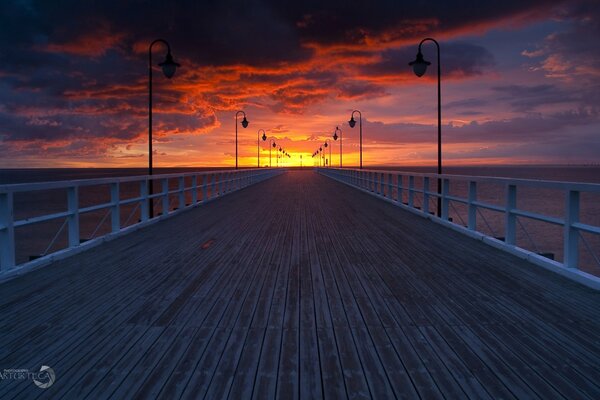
(299, 287)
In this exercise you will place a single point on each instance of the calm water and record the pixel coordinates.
(533, 235)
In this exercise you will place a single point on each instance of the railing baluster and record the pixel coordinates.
(571, 234)
(115, 214)
(73, 218)
(399, 188)
(472, 208)
(445, 200)
(205, 187)
(411, 193)
(144, 209)
(425, 205)
(165, 196)
(390, 185)
(181, 193)
(510, 234)
(7, 231)
(194, 189)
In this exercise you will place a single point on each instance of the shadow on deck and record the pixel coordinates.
(299, 287)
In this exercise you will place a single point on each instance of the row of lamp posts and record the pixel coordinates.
(169, 66)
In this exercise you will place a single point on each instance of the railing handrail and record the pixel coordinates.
(33, 186)
(218, 181)
(381, 183)
(537, 183)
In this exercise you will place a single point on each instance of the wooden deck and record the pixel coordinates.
(300, 287)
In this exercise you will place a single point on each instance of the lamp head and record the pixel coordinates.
(169, 66)
(325, 145)
(419, 65)
(335, 136)
(264, 137)
(274, 144)
(352, 122)
(245, 122)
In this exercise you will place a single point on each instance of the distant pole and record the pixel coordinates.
(245, 125)
(169, 67)
(271, 144)
(419, 67)
(264, 137)
(328, 144)
(352, 122)
(335, 136)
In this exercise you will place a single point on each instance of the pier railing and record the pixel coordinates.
(418, 192)
(187, 189)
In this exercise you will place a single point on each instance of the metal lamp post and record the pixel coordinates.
(335, 137)
(327, 144)
(271, 144)
(352, 123)
(264, 138)
(320, 156)
(419, 67)
(245, 125)
(169, 66)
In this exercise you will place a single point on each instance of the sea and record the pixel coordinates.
(543, 238)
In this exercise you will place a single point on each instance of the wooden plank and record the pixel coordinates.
(288, 375)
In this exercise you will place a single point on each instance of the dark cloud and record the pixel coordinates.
(572, 54)
(529, 97)
(529, 128)
(73, 73)
(457, 59)
(466, 103)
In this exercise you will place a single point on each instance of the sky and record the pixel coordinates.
(520, 81)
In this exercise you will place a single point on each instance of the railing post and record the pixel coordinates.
(411, 193)
(205, 187)
(144, 213)
(445, 200)
(165, 196)
(7, 232)
(425, 204)
(213, 191)
(194, 189)
(571, 234)
(510, 234)
(181, 192)
(73, 218)
(382, 184)
(115, 215)
(472, 221)
(399, 188)
(390, 185)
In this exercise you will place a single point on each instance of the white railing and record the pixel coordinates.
(403, 188)
(204, 186)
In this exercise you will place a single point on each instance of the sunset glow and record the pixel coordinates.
(519, 83)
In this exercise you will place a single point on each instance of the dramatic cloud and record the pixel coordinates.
(73, 74)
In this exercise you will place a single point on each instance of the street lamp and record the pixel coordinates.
(327, 144)
(278, 156)
(335, 136)
(271, 144)
(264, 138)
(352, 123)
(168, 67)
(419, 67)
(245, 125)
(320, 156)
